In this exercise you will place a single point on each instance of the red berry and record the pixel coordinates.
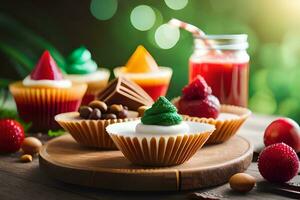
(197, 89)
(283, 130)
(46, 69)
(278, 163)
(208, 107)
(11, 135)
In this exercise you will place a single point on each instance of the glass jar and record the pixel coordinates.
(224, 64)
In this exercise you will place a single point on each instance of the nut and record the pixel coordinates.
(116, 108)
(242, 182)
(109, 116)
(85, 111)
(31, 145)
(96, 114)
(98, 104)
(141, 110)
(26, 158)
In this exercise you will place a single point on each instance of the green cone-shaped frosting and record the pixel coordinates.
(80, 62)
(162, 113)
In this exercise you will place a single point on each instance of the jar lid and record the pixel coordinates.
(223, 42)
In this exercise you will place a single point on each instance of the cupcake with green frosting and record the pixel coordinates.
(81, 68)
(161, 137)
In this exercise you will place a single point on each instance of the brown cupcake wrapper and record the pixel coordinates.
(225, 129)
(91, 133)
(39, 105)
(160, 151)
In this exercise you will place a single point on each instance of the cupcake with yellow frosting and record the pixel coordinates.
(161, 137)
(81, 68)
(45, 93)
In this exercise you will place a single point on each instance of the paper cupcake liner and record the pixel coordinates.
(39, 105)
(225, 129)
(160, 151)
(95, 81)
(90, 133)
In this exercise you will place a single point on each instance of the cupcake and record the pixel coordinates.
(82, 69)
(198, 104)
(87, 126)
(161, 137)
(143, 70)
(44, 94)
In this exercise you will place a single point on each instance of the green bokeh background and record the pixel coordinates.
(273, 27)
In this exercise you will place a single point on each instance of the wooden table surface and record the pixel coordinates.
(26, 181)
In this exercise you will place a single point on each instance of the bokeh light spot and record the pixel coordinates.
(103, 9)
(289, 107)
(142, 17)
(176, 4)
(263, 101)
(166, 36)
(290, 49)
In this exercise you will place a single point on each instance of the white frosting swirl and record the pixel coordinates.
(227, 116)
(47, 83)
(129, 129)
(95, 76)
(163, 130)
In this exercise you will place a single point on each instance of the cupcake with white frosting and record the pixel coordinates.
(45, 93)
(81, 68)
(161, 137)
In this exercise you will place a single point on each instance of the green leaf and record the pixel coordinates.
(4, 82)
(3, 97)
(22, 39)
(56, 133)
(15, 54)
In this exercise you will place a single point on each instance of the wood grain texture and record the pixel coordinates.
(27, 181)
(64, 159)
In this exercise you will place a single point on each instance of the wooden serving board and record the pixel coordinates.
(64, 159)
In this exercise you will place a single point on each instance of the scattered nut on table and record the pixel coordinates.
(242, 182)
(26, 158)
(31, 145)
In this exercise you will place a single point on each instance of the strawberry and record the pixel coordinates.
(197, 89)
(278, 163)
(208, 107)
(11, 135)
(46, 69)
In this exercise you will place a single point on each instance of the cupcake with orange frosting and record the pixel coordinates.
(81, 68)
(45, 93)
(143, 70)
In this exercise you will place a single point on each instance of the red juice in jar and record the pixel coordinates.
(224, 66)
(229, 81)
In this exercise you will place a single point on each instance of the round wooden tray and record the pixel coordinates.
(64, 159)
